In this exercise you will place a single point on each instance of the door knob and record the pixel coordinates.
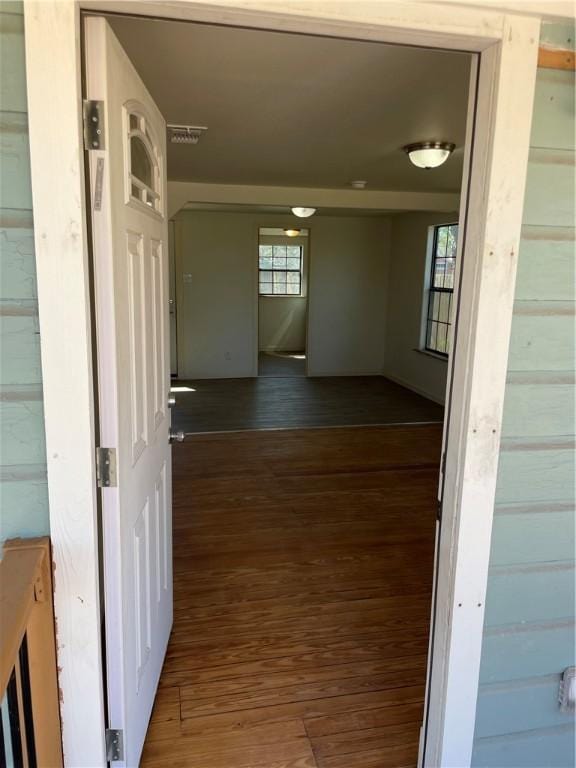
(171, 401)
(177, 437)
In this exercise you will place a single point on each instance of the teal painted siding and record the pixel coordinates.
(529, 635)
(23, 489)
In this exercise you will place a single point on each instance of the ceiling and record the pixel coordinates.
(296, 110)
(279, 210)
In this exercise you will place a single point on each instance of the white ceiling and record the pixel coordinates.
(295, 110)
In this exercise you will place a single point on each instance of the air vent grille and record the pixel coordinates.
(185, 134)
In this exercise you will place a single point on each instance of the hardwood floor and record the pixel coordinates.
(282, 364)
(302, 585)
(268, 402)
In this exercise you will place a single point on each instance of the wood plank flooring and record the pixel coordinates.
(282, 364)
(302, 585)
(269, 402)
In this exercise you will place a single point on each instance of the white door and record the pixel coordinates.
(130, 238)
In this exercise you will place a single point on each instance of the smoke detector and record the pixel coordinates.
(185, 134)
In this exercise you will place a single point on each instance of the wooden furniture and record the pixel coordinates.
(29, 685)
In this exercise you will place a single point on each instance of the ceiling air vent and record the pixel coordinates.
(185, 134)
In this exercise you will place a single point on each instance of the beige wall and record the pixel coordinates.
(348, 276)
(404, 362)
(282, 323)
(216, 276)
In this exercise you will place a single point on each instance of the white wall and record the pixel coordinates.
(216, 294)
(282, 323)
(217, 303)
(347, 289)
(404, 362)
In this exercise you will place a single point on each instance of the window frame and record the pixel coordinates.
(285, 270)
(432, 290)
(149, 198)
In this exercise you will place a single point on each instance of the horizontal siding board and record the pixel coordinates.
(535, 476)
(22, 438)
(15, 185)
(527, 651)
(533, 593)
(549, 199)
(538, 410)
(519, 706)
(12, 59)
(553, 123)
(546, 270)
(532, 537)
(542, 343)
(561, 35)
(19, 351)
(24, 506)
(17, 263)
(23, 485)
(545, 748)
(529, 633)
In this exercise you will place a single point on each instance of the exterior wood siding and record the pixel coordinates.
(529, 634)
(23, 489)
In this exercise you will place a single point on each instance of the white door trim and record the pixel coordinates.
(509, 47)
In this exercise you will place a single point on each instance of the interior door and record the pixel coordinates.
(130, 245)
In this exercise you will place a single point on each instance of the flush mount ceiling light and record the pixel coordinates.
(429, 154)
(358, 184)
(292, 232)
(185, 134)
(303, 213)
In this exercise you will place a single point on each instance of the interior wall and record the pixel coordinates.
(347, 288)
(282, 323)
(216, 275)
(404, 361)
(216, 294)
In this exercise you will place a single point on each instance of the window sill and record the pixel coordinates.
(435, 355)
(281, 296)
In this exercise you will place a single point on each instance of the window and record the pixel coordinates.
(280, 270)
(142, 166)
(441, 291)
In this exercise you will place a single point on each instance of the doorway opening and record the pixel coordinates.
(304, 513)
(283, 256)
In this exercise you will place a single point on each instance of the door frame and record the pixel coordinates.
(508, 46)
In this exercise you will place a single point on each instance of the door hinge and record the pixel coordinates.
(443, 464)
(114, 744)
(106, 468)
(93, 112)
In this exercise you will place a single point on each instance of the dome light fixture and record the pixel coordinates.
(429, 154)
(290, 232)
(303, 213)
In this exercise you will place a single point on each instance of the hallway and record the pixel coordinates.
(302, 583)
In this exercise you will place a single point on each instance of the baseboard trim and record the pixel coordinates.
(418, 390)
